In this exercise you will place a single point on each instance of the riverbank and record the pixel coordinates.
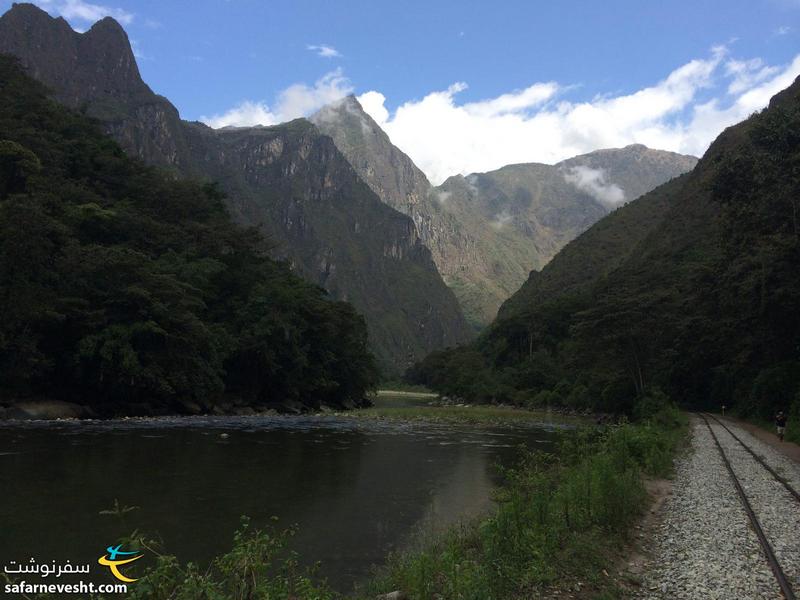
(416, 406)
(562, 523)
(357, 488)
(472, 414)
(389, 405)
(562, 516)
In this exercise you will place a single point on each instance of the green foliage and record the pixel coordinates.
(774, 388)
(560, 518)
(691, 289)
(793, 422)
(125, 289)
(259, 566)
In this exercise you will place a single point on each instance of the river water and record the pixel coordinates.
(357, 489)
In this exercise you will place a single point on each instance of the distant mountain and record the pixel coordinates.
(290, 181)
(487, 231)
(594, 254)
(518, 217)
(689, 292)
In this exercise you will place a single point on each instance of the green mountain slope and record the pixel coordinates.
(487, 231)
(520, 216)
(691, 290)
(289, 180)
(129, 291)
(595, 253)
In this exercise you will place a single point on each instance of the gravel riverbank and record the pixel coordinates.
(703, 546)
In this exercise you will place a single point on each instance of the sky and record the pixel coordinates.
(466, 86)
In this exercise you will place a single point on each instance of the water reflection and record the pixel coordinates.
(356, 489)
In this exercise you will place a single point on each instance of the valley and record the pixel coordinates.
(386, 336)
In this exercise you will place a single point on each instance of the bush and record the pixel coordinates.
(651, 403)
(258, 567)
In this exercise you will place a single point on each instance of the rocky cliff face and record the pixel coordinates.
(447, 230)
(289, 180)
(383, 166)
(97, 72)
(487, 231)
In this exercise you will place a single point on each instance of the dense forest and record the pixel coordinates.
(129, 291)
(690, 292)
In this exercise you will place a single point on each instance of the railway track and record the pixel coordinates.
(783, 581)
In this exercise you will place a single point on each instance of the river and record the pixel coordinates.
(356, 488)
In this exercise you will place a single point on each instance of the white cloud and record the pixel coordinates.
(501, 219)
(521, 101)
(331, 113)
(684, 112)
(244, 115)
(79, 10)
(372, 103)
(593, 182)
(747, 73)
(783, 30)
(324, 51)
(298, 100)
(441, 196)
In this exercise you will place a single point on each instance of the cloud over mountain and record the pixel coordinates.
(593, 182)
(683, 112)
(298, 100)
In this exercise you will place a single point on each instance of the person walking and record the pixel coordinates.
(780, 424)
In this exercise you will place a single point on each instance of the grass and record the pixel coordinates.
(480, 414)
(419, 407)
(387, 387)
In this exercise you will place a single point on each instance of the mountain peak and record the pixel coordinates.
(27, 17)
(109, 25)
(347, 107)
(28, 10)
(788, 96)
(80, 66)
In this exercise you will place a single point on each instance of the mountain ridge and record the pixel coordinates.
(483, 239)
(289, 180)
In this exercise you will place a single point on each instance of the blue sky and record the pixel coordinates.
(211, 56)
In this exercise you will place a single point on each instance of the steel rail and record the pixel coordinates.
(783, 582)
(761, 461)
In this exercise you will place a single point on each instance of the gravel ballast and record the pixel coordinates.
(777, 510)
(703, 546)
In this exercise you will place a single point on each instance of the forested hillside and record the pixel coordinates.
(135, 293)
(288, 180)
(690, 291)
